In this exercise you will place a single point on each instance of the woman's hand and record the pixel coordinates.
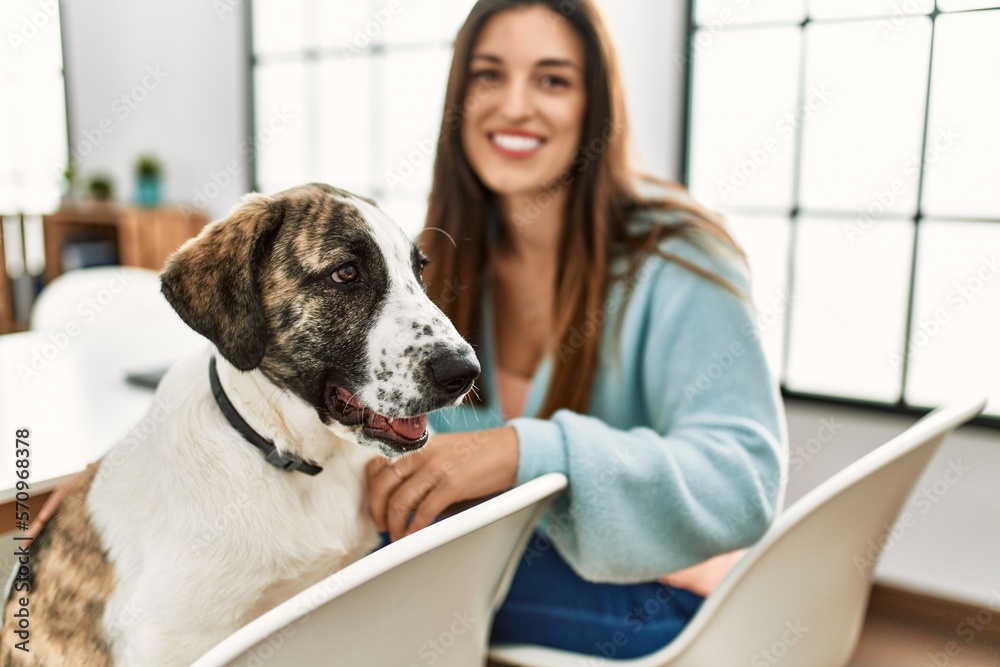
(52, 503)
(450, 468)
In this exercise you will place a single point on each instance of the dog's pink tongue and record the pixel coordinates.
(410, 428)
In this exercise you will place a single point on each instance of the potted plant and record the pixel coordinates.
(148, 172)
(101, 187)
(69, 178)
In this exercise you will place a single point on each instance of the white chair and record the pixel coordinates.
(429, 597)
(103, 297)
(798, 596)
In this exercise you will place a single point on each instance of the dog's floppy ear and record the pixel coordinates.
(212, 280)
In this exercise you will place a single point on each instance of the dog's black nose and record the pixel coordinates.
(453, 374)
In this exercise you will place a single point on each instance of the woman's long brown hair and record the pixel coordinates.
(602, 196)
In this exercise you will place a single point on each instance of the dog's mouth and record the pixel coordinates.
(402, 434)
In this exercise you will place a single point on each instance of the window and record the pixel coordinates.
(33, 144)
(852, 145)
(352, 94)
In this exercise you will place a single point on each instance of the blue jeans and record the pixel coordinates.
(550, 605)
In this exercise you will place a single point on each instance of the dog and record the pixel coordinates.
(325, 349)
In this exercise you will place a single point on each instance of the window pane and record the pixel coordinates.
(899, 10)
(33, 144)
(39, 140)
(953, 343)
(725, 12)
(281, 156)
(345, 123)
(409, 213)
(962, 171)
(422, 23)
(31, 35)
(412, 100)
(456, 13)
(8, 179)
(278, 25)
(355, 26)
(765, 240)
(861, 142)
(952, 5)
(742, 134)
(849, 311)
(350, 26)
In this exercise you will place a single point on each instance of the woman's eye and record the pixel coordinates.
(348, 273)
(487, 75)
(555, 82)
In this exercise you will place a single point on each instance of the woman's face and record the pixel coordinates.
(525, 100)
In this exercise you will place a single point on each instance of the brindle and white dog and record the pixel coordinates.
(324, 339)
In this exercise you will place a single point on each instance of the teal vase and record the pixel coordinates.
(149, 191)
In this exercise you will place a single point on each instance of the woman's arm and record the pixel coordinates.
(705, 476)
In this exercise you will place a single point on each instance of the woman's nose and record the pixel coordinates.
(517, 101)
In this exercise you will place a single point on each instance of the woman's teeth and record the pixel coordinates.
(516, 143)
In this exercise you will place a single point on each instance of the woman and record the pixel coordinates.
(616, 341)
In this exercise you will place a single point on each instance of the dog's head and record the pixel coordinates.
(322, 292)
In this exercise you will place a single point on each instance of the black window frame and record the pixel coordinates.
(378, 189)
(795, 211)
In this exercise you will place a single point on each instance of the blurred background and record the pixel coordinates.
(851, 144)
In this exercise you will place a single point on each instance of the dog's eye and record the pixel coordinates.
(423, 263)
(348, 273)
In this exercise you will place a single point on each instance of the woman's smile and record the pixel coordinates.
(517, 144)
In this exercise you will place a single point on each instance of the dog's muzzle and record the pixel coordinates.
(450, 377)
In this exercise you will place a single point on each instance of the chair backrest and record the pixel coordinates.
(103, 297)
(799, 596)
(427, 598)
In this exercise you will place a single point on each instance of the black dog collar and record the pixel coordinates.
(287, 462)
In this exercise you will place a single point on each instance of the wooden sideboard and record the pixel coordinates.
(144, 237)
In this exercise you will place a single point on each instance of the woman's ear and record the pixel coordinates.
(212, 281)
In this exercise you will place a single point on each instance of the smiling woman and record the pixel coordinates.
(608, 311)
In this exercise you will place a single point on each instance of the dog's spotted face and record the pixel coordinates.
(323, 293)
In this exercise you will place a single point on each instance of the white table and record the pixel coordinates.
(75, 399)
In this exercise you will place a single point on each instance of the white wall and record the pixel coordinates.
(192, 115)
(650, 40)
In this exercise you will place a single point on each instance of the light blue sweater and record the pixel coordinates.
(684, 453)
